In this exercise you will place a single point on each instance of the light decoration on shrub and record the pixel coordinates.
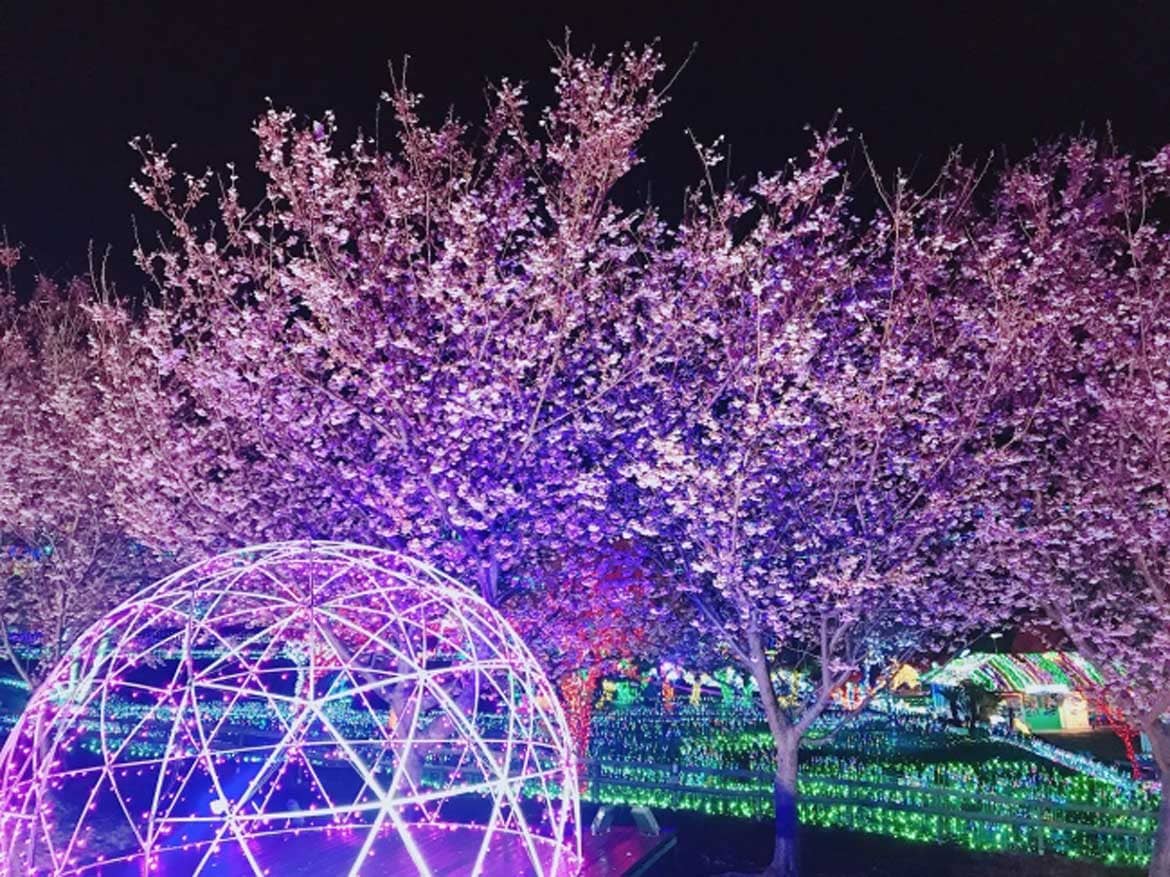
(240, 670)
(899, 780)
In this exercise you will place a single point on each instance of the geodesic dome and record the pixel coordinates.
(293, 708)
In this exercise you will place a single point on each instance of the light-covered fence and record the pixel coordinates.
(1028, 822)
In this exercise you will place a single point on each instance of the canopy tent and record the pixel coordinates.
(1028, 672)
(1046, 690)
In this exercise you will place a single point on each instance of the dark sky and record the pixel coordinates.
(78, 79)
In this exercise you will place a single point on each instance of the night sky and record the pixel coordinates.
(78, 79)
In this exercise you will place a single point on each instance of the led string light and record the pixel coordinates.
(872, 779)
(288, 688)
(685, 756)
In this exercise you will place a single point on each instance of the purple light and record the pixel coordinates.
(349, 687)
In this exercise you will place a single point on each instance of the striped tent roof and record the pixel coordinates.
(1019, 672)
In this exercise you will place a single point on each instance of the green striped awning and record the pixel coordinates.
(1019, 672)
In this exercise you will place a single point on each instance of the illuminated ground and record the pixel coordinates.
(905, 784)
(1013, 784)
(711, 845)
(323, 854)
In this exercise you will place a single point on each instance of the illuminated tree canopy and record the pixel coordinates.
(827, 439)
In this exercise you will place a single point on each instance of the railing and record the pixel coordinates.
(1080, 762)
(921, 812)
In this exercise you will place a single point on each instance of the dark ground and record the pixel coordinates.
(1102, 745)
(710, 845)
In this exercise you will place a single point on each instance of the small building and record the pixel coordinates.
(1046, 691)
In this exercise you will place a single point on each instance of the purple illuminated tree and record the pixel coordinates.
(597, 616)
(816, 434)
(65, 558)
(843, 439)
(1082, 525)
(415, 346)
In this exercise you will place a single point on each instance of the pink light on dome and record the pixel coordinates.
(348, 695)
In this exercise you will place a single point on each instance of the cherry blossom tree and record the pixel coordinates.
(414, 346)
(419, 347)
(65, 557)
(1081, 523)
(593, 617)
(815, 436)
(840, 438)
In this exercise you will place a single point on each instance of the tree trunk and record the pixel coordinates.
(785, 862)
(1160, 860)
(1159, 734)
(489, 578)
(786, 739)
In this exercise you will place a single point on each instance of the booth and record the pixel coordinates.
(1045, 692)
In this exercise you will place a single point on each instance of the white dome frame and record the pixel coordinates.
(391, 699)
